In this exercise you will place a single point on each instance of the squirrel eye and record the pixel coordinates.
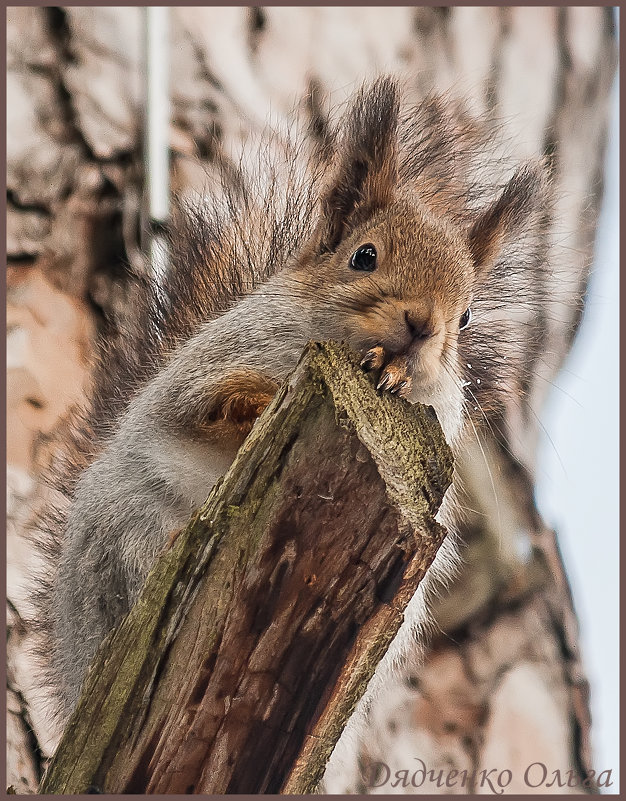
(466, 318)
(364, 258)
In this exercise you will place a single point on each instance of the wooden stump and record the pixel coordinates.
(272, 609)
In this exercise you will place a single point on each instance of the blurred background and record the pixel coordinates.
(110, 110)
(578, 473)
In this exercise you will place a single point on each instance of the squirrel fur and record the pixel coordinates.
(383, 235)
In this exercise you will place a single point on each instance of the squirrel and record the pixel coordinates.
(396, 235)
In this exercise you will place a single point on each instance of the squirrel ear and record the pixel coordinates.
(366, 170)
(522, 201)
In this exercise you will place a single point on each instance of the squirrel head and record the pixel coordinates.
(391, 270)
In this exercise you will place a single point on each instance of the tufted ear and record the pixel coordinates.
(522, 201)
(366, 164)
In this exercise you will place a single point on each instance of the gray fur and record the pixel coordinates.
(148, 480)
(394, 185)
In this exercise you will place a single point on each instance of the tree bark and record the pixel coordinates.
(297, 570)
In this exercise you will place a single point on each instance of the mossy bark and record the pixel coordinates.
(265, 619)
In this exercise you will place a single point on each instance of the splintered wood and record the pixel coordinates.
(257, 631)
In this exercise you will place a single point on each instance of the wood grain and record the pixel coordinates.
(302, 559)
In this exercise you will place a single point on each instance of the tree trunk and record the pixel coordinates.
(74, 202)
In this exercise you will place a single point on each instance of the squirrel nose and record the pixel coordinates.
(419, 327)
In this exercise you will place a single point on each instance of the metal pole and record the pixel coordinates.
(157, 134)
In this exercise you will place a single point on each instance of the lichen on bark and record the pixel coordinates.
(274, 587)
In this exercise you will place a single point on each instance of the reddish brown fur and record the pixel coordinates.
(449, 229)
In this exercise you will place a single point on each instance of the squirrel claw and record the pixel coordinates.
(373, 359)
(384, 381)
(403, 388)
(395, 380)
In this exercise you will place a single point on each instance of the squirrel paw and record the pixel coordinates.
(394, 377)
(374, 358)
(237, 402)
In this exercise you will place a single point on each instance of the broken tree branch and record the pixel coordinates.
(262, 624)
